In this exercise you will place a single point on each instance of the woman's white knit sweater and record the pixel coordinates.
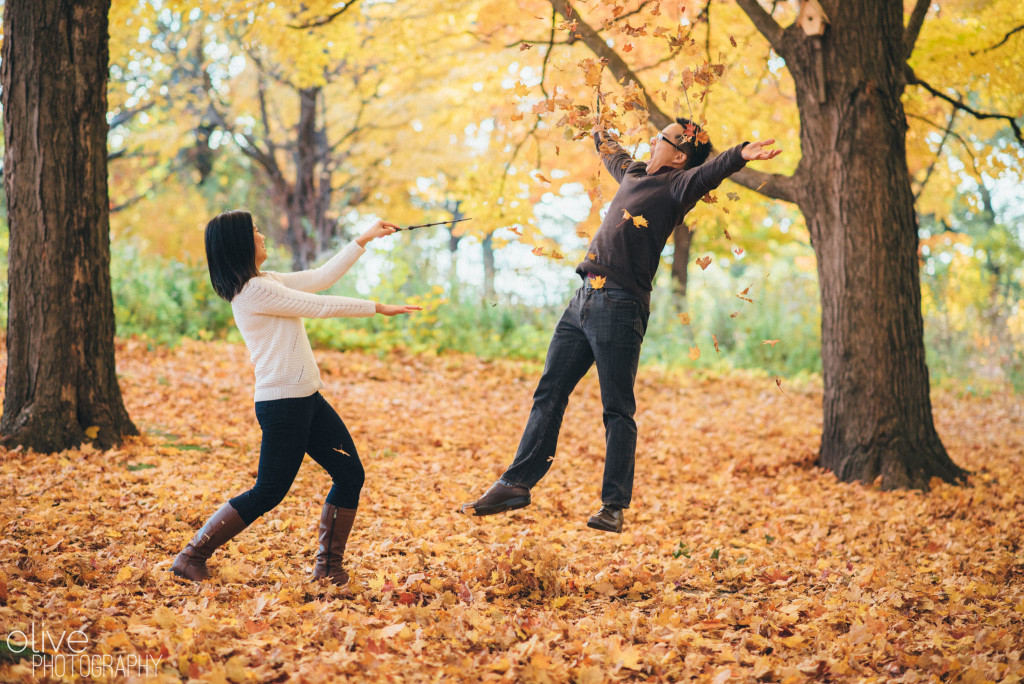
(269, 312)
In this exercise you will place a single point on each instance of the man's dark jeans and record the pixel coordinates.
(606, 327)
(293, 428)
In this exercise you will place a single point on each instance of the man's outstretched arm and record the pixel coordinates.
(614, 157)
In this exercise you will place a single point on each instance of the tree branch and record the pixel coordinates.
(914, 26)
(764, 23)
(938, 155)
(959, 104)
(773, 185)
(1000, 43)
(324, 20)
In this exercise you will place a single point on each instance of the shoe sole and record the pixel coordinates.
(598, 526)
(515, 503)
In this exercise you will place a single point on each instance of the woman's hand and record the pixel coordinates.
(378, 229)
(396, 309)
(756, 150)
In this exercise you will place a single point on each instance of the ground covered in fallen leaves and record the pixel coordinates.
(740, 559)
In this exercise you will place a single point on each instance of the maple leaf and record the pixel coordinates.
(515, 116)
(542, 178)
(694, 353)
(639, 221)
(687, 78)
(704, 262)
(714, 338)
(592, 256)
(628, 47)
(515, 230)
(525, 46)
(732, 196)
(703, 137)
(684, 318)
(771, 342)
(539, 251)
(738, 251)
(726, 232)
(555, 254)
(597, 282)
(709, 198)
(521, 90)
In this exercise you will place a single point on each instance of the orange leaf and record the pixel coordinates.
(639, 222)
(714, 338)
(771, 342)
(597, 282)
(555, 254)
(694, 353)
(684, 318)
(539, 251)
(704, 262)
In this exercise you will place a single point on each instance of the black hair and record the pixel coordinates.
(696, 152)
(231, 252)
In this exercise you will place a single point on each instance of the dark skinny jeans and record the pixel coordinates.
(604, 327)
(291, 429)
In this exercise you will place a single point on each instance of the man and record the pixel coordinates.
(606, 319)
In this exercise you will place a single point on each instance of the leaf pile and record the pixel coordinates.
(740, 559)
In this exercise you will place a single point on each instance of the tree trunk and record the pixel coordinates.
(681, 239)
(856, 195)
(61, 378)
(302, 210)
(487, 244)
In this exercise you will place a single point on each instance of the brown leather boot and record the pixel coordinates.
(191, 562)
(498, 499)
(335, 526)
(608, 519)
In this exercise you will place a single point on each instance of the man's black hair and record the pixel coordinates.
(231, 252)
(696, 152)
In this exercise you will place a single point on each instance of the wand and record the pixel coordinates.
(439, 223)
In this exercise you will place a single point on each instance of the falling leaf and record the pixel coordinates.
(92, 432)
(628, 47)
(521, 90)
(732, 40)
(704, 262)
(703, 137)
(515, 116)
(726, 232)
(687, 77)
(738, 251)
(694, 353)
(639, 222)
(597, 282)
(555, 254)
(515, 230)
(709, 198)
(714, 338)
(525, 46)
(732, 196)
(539, 251)
(592, 256)
(684, 318)
(771, 342)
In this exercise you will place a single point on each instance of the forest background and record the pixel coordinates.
(319, 121)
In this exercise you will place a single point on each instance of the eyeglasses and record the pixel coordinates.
(661, 136)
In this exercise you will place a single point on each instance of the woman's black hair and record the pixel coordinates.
(696, 152)
(231, 252)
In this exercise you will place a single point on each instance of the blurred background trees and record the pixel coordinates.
(319, 119)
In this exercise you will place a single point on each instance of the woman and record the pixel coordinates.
(295, 419)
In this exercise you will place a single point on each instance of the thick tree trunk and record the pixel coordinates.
(681, 239)
(856, 197)
(301, 217)
(61, 378)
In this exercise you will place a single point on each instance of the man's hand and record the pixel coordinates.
(378, 229)
(756, 150)
(395, 309)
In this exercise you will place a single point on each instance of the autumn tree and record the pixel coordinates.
(61, 386)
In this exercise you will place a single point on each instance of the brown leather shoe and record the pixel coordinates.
(335, 526)
(218, 530)
(498, 499)
(608, 519)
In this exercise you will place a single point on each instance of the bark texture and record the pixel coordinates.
(854, 190)
(61, 378)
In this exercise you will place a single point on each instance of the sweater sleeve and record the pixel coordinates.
(690, 186)
(317, 279)
(266, 296)
(617, 160)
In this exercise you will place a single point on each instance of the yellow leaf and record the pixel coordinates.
(539, 251)
(694, 353)
(391, 630)
(639, 222)
(124, 574)
(521, 90)
(597, 282)
(92, 432)
(684, 318)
